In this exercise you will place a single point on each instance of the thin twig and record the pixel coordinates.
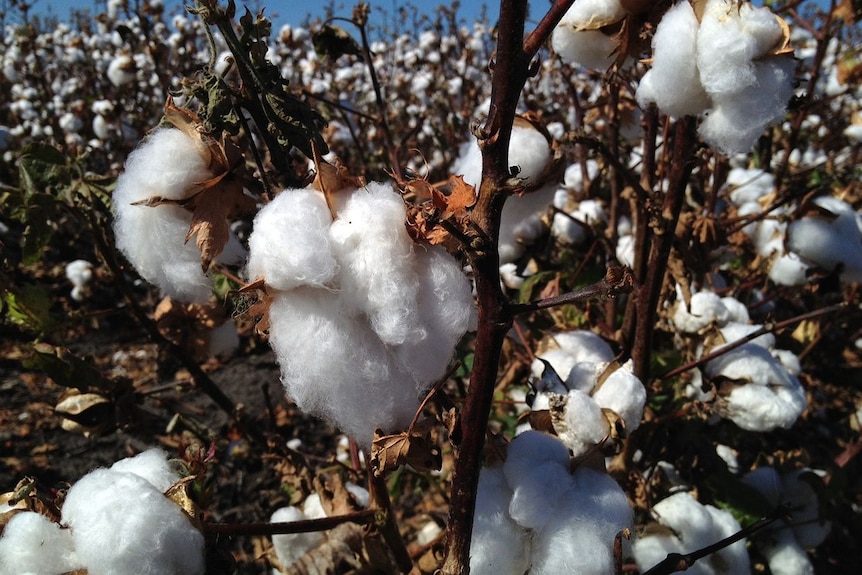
(363, 517)
(617, 281)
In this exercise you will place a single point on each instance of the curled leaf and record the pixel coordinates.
(412, 447)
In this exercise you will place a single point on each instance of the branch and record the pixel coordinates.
(363, 517)
(617, 280)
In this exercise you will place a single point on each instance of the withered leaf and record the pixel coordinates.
(412, 447)
(332, 178)
(213, 207)
(179, 494)
(461, 197)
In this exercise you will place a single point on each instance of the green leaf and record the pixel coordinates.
(36, 236)
(65, 368)
(29, 306)
(525, 294)
(42, 168)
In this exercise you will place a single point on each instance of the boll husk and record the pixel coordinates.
(167, 165)
(362, 319)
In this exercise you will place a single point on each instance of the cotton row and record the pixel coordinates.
(363, 320)
(115, 521)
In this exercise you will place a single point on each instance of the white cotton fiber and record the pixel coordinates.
(705, 308)
(122, 524)
(734, 331)
(334, 366)
(499, 546)
(529, 151)
(584, 424)
(579, 534)
(290, 246)
(673, 82)
(521, 221)
(623, 393)
(736, 310)
(32, 544)
(588, 48)
(830, 241)
(771, 398)
(748, 185)
(808, 528)
(785, 555)
(584, 346)
(291, 546)
(375, 254)
(573, 178)
(446, 311)
(151, 465)
(168, 165)
(693, 526)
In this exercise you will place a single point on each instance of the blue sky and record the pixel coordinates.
(285, 11)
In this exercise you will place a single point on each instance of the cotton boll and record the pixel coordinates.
(499, 545)
(521, 221)
(32, 544)
(830, 242)
(785, 556)
(529, 151)
(736, 310)
(673, 82)
(788, 359)
(807, 526)
(734, 331)
(312, 507)
(334, 366)
(167, 164)
(706, 308)
(122, 524)
(623, 393)
(625, 250)
(530, 449)
(290, 244)
(749, 185)
(121, 70)
(79, 273)
(588, 48)
(291, 546)
(579, 535)
(446, 312)
(151, 465)
(584, 346)
(693, 526)
(574, 178)
(375, 253)
(583, 424)
(788, 270)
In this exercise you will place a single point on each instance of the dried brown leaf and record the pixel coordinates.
(179, 494)
(332, 178)
(412, 447)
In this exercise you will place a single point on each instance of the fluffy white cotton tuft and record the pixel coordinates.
(673, 82)
(291, 546)
(704, 309)
(362, 320)
(768, 396)
(692, 526)
(290, 243)
(535, 516)
(499, 545)
(583, 424)
(829, 241)
(151, 465)
(577, 39)
(121, 523)
(623, 393)
(32, 544)
(167, 164)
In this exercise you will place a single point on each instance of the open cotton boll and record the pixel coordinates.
(734, 331)
(748, 185)
(529, 151)
(167, 164)
(446, 312)
(579, 535)
(736, 310)
(375, 254)
(151, 465)
(290, 245)
(772, 397)
(583, 424)
(32, 544)
(828, 242)
(785, 555)
(291, 546)
(122, 524)
(589, 48)
(625, 250)
(693, 526)
(705, 308)
(574, 179)
(121, 70)
(334, 366)
(808, 528)
(788, 270)
(673, 81)
(584, 346)
(79, 273)
(499, 545)
(623, 393)
(521, 221)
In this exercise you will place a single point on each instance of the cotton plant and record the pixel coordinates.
(363, 320)
(731, 63)
(783, 544)
(685, 525)
(585, 392)
(114, 520)
(534, 515)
